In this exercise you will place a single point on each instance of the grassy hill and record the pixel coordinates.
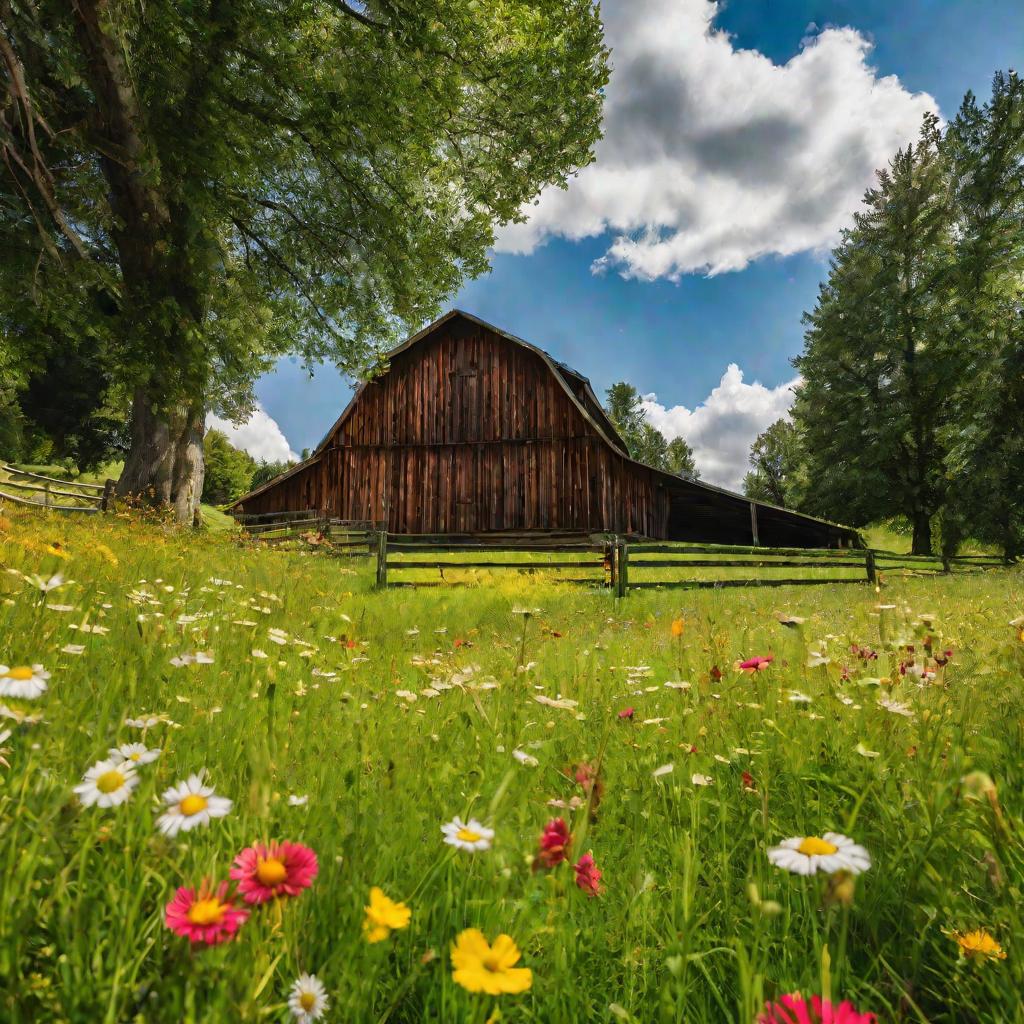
(359, 723)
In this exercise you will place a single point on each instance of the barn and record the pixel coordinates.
(471, 430)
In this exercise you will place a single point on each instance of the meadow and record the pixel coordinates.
(682, 739)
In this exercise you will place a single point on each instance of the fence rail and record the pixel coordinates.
(339, 538)
(87, 498)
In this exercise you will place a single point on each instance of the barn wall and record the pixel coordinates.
(470, 432)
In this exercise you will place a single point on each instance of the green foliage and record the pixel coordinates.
(229, 472)
(644, 441)
(777, 457)
(694, 923)
(241, 179)
(913, 365)
(266, 471)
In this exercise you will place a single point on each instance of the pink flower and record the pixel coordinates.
(281, 869)
(626, 713)
(555, 841)
(755, 664)
(204, 916)
(588, 875)
(792, 1009)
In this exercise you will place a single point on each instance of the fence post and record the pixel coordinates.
(621, 563)
(869, 565)
(46, 494)
(382, 559)
(108, 493)
(753, 525)
(608, 564)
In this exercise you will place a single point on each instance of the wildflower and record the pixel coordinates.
(383, 916)
(701, 780)
(44, 585)
(749, 786)
(204, 916)
(525, 759)
(471, 835)
(665, 769)
(198, 658)
(978, 944)
(626, 713)
(480, 967)
(25, 681)
(107, 784)
(793, 1009)
(136, 753)
(755, 664)
(190, 804)
(308, 999)
(791, 621)
(678, 625)
(555, 841)
(895, 707)
(294, 800)
(840, 889)
(806, 855)
(588, 875)
(280, 869)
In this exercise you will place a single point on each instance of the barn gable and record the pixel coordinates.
(472, 430)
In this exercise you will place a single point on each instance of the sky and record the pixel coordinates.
(739, 138)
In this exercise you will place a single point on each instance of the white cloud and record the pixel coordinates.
(714, 156)
(723, 427)
(260, 436)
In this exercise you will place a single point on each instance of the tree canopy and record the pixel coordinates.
(776, 458)
(197, 188)
(645, 442)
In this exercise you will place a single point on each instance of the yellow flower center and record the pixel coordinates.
(467, 835)
(208, 911)
(307, 1001)
(22, 672)
(192, 804)
(135, 757)
(491, 963)
(110, 781)
(271, 871)
(812, 846)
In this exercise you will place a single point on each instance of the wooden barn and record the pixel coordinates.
(472, 430)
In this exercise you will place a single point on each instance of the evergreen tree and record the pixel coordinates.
(776, 457)
(644, 441)
(679, 459)
(266, 471)
(984, 147)
(877, 375)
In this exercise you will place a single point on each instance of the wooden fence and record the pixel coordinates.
(338, 537)
(53, 493)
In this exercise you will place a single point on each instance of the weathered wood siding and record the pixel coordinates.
(471, 432)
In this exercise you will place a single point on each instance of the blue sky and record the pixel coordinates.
(730, 162)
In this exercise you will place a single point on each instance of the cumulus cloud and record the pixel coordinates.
(714, 156)
(259, 435)
(723, 427)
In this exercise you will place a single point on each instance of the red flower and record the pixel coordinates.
(204, 916)
(755, 664)
(626, 713)
(793, 1009)
(281, 869)
(555, 841)
(748, 783)
(715, 673)
(588, 875)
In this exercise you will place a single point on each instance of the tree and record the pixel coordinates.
(984, 148)
(680, 461)
(267, 471)
(644, 441)
(246, 178)
(875, 397)
(776, 457)
(229, 472)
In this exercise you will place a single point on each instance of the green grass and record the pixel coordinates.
(676, 936)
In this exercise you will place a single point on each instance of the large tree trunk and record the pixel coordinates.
(165, 463)
(922, 542)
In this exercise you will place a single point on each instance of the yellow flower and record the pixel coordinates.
(479, 967)
(978, 944)
(383, 916)
(678, 625)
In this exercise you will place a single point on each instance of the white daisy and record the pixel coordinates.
(190, 804)
(896, 707)
(308, 998)
(136, 753)
(806, 855)
(471, 835)
(294, 800)
(107, 784)
(25, 681)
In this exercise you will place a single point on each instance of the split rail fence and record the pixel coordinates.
(619, 564)
(48, 492)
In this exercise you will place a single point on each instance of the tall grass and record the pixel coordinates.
(694, 924)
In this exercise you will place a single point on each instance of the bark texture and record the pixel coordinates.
(165, 464)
